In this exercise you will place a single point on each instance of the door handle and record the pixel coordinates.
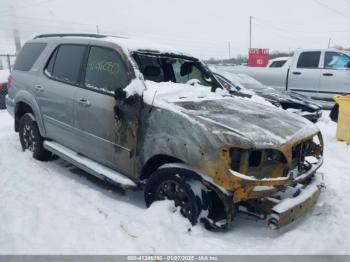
(296, 73)
(328, 74)
(84, 102)
(39, 88)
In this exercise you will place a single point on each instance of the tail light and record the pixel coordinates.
(3, 85)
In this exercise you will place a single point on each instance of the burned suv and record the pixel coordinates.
(144, 116)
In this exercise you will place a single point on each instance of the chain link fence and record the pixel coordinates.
(7, 61)
(6, 64)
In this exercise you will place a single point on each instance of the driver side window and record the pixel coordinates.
(105, 70)
(335, 60)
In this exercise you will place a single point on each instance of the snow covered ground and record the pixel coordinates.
(51, 208)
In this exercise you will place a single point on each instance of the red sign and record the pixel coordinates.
(258, 57)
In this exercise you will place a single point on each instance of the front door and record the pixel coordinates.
(104, 137)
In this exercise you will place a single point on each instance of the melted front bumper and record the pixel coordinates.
(252, 188)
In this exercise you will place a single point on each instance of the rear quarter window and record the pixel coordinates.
(278, 64)
(28, 56)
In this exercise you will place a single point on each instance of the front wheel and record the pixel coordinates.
(164, 184)
(197, 199)
(30, 137)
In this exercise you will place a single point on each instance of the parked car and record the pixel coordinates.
(318, 73)
(3, 87)
(280, 62)
(286, 100)
(145, 116)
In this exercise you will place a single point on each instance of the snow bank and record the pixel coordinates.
(50, 208)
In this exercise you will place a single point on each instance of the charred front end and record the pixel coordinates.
(280, 184)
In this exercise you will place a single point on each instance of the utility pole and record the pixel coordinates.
(15, 31)
(250, 32)
(229, 49)
(17, 40)
(97, 29)
(329, 42)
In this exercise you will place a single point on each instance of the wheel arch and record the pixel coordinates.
(24, 106)
(155, 162)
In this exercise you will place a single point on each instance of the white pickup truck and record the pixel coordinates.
(320, 74)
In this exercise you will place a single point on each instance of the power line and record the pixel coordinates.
(26, 6)
(273, 24)
(331, 9)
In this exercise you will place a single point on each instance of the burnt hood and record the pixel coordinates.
(260, 125)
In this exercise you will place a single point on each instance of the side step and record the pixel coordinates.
(89, 165)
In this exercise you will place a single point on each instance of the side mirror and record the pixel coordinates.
(348, 65)
(120, 95)
(206, 77)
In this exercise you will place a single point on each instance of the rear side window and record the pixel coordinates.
(28, 55)
(309, 60)
(65, 63)
(278, 64)
(105, 70)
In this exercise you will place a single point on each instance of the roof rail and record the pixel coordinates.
(63, 35)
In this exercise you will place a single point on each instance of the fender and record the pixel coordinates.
(27, 98)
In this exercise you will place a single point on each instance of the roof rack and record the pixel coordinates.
(63, 35)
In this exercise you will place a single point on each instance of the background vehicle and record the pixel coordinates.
(3, 87)
(135, 114)
(287, 100)
(320, 74)
(280, 62)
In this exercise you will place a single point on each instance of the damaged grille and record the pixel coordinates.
(258, 163)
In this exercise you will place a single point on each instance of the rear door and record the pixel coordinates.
(304, 75)
(102, 137)
(55, 92)
(335, 77)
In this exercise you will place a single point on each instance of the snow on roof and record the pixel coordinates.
(281, 58)
(128, 44)
(143, 45)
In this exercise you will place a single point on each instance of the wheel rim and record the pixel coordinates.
(172, 190)
(28, 138)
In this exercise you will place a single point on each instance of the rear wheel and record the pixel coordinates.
(30, 137)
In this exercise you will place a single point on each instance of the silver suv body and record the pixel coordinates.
(137, 114)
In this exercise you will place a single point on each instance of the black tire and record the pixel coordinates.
(3, 93)
(171, 184)
(334, 113)
(31, 139)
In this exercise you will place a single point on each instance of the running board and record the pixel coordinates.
(89, 165)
